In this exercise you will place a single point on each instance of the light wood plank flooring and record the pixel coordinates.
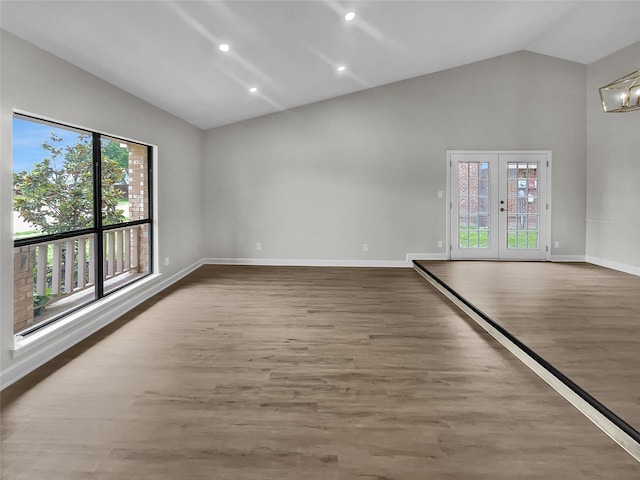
(297, 373)
(582, 318)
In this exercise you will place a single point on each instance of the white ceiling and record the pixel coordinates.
(165, 52)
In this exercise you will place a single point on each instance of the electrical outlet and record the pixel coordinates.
(258, 246)
(556, 244)
(440, 244)
(440, 194)
(166, 261)
(365, 247)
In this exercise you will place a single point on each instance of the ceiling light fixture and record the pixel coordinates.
(341, 68)
(224, 47)
(349, 16)
(622, 95)
(253, 90)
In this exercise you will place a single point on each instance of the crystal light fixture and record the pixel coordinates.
(622, 95)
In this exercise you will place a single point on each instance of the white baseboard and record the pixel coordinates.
(285, 262)
(567, 258)
(426, 256)
(443, 256)
(37, 349)
(621, 267)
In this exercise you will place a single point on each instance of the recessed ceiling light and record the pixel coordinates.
(253, 90)
(341, 68)
(349, 16)
(224, 47)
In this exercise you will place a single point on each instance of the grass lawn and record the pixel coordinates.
(519, 239)
(479, 238)
(27, 233)
(473, 238)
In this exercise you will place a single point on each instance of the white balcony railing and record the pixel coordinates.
(55, 277)
(68, 266)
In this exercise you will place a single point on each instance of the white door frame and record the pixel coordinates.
(449, 204)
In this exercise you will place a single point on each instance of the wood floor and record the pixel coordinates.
(297, 373)
(583, 319)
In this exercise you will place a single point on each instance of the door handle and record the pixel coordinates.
(502, 209)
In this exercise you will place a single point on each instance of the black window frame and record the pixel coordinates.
(98, 230)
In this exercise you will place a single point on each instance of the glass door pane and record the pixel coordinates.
(473, 205)
(474, 196)
(523, 189)
(522, 205)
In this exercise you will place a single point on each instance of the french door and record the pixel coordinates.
(499, 205)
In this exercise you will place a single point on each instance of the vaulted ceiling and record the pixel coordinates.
(167, 52)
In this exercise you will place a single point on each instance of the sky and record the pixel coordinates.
(28, 138)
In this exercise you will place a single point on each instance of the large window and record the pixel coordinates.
(81, 218)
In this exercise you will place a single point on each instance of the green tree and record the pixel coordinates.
(57, 194)
(114, 151)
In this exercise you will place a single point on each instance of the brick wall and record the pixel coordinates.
(473, 187)
(138, 199)
(23, 264)
(473, 200)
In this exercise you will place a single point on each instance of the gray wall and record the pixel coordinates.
(39, 83)
(613, 170)
(318, 181)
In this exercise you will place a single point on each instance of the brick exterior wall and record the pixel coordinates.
(473, 194)
(24, 260)
(138, 200)
(473, 186)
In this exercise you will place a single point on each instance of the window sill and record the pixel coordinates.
(85, 321)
